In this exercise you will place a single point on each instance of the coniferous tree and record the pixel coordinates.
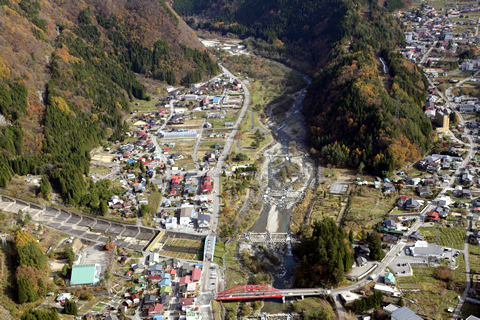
(45, 187)
(375, 246)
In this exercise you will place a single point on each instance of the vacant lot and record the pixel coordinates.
(448, 236)
(368, 207)
(436, 295)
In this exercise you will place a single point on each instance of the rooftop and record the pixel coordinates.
(85, 274)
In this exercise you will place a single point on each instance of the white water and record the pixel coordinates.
(384, 65)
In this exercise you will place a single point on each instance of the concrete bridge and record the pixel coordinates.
(269, 238)
(251, 291)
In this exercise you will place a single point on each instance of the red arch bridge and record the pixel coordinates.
(253, 291)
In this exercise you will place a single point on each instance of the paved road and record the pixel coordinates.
(471, 153)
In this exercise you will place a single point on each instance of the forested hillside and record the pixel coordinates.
(351, 104)
(67, 74)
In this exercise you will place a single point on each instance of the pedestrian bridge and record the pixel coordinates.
(252, 291)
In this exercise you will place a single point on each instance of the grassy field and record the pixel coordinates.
(469, 309)
(368, 207)
(435, 296)
(154, 201)
(474, 258)
(99, 307)
(219, 251)
(447, 236)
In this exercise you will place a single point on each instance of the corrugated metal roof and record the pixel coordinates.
(404, 313)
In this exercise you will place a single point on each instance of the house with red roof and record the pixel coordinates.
(433, 216)
(184, 280)
(196, 274)
(187, 303)
(155, 310)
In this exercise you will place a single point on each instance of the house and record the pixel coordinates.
(389, 224)
(165, 282)
(135, 298)
(89, 316)
(171, 263)
(433, 216)
(467, 194)
(165, 299)
(153, 258)
(184, 280)
(416, 236)
(111, 317)
(404, 313)
(203, 220)
(424, 191)
(412, 204)
(467, 178)
(123, 309)
(361, 261)
(388, 188)
(63, 296)
(401, 201)
(196, 274)
(187, 303)
(186, 215)
(156, 270)
(389, 278)
(361, 251)
(390, 308)
(149, 300)
(154, 310)
(165, 290)
(390, 238)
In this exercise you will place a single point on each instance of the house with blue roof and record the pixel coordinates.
(389, 278)
(165, 282)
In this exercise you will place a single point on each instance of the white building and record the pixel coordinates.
(425, 249)
(170, 223)
(186, 215)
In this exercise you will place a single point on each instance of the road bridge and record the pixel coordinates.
(269, 238)
(251, 291)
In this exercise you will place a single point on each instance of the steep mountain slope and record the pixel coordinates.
(67, 74)
(351, 104)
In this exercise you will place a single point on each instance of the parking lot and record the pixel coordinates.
(403, 263)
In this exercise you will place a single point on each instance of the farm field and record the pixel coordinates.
(368, 207)
(447, 236)
(184, 243)
(179, 255)
(436, 295)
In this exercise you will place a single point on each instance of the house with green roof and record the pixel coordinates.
(389, 278)
(165, 289)
(85, 274)
(134, 289)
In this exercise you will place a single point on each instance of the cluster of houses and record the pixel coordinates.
(202, 93)
(159, 283)
(438, 27)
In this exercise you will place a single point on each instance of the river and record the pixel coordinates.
(277, 208)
